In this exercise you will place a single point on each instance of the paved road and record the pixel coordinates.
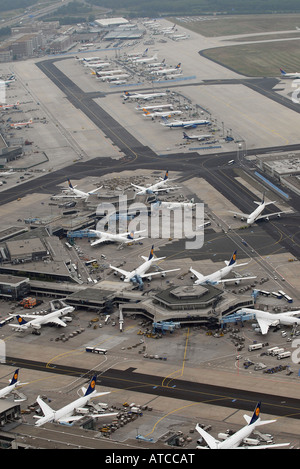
(173, 388)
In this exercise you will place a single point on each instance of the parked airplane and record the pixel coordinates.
(123, 238)
(185, 124)
(160, 113)
(19, 125)
(144, 60)
(76, 193)
(13, 383)
(36, 321)
(158, 186)
(6, 173)
(197, 137)
(97, 64)
(216, 277)
(104, 73)
(10, 80)
(140, 272)
(165, 71)
(171, 205)
(9, 106)
(157, 106)
(234, 441)
(157, 64)
(289, 75)
(146, 97)
(256, 214)
(266, 319)
(116, 77)
(65, 415)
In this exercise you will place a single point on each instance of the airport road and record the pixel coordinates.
(174, 388)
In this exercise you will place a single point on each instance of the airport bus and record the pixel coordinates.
(277, 295)
(103, 351)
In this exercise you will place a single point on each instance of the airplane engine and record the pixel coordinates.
(149, 278)
(122, 277)
(237, 282)
(163, 275)
(278, 215)
(115, 273)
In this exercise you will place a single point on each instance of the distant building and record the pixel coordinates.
(13, 287)
(111, 22)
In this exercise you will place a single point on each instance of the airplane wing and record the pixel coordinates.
(58, 322)
(69, 418)
(150, 274)
(244, 215)
(210, 440)
(129, 241)
(95, 190)
(99, 241)
(197, 274)
(121, 271)
(270, 215)
(264, 324)
(234, 279)
(139, 187)
(45, 408)
(164, 189)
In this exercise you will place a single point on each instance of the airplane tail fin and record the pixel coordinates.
(282, 72)
(166, 175)
(14, 378)
(21, 321)
(151, 253)
(92, 385)
(130, 235)
(178, 65)
(256, 417)
(185, 135)
(233, 259)
(70, 184)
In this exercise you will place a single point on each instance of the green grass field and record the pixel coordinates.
(256, 60)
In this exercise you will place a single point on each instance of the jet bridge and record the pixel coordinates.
(239, 317)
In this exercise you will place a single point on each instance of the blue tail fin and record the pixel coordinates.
(233, 259)
(256, 413)
(151, 253)
(282, 72)
(14, 378)
(20, 320)
(70, 184)
(166, 175)
(131, 235)
(92, 385)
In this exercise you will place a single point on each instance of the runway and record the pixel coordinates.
(173, 388)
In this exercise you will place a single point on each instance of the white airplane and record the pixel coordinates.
(165, 71)
(185, 124)
(65, 415)
(289, 75)
(217, 277)
(37, 321)
(157, 64)
(13, 383)
(123, 238)
(144, 60)
(19, 125)
(88, 59)
(256, 214)
(157, 106)
(234, 441)
(76, 193)
(196, 137)
(171, 205)
(10, 80)
(146, 97)
(104, 73)
(9, 106)
(266, 319)
(140, 272)
(160, 113)
(158, 186)
(6, 173)
(116, 77)
(97, 64)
